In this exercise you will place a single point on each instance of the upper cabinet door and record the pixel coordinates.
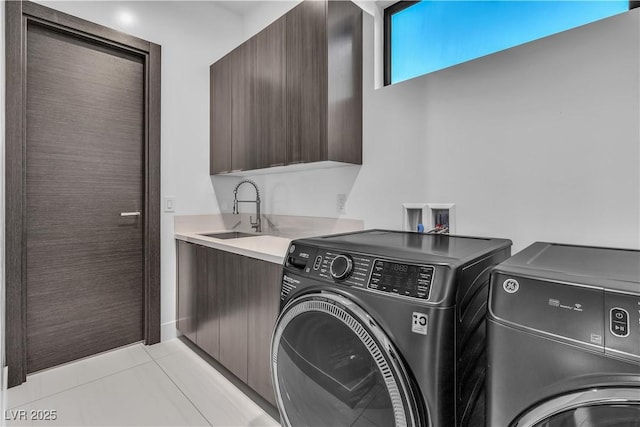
(293, 92)
(243, 72)
(344, 121)
(220, 116)
(306, 36)
(270, 107)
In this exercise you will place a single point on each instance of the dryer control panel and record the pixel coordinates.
(623, 323)
(363, 271)
(600, 319)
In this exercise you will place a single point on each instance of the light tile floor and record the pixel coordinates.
(166, 384)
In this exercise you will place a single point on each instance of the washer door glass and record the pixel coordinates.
(604, 407)
(611, 415)
(330, 370)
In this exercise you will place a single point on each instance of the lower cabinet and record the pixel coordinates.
(263, 305)
(232, 279)
(228, 305)
(208, 308)
(186, 294)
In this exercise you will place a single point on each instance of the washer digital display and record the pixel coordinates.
(408, 280)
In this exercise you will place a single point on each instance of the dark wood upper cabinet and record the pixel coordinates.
(307, 82)
(344, 88)
(270, 95)
(220, 116)
(324, 82)
(243, 112)
(296, 91)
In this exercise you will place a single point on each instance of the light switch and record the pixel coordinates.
(170, 204)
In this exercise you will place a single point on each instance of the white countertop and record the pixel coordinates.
(264, 247)
(271, 245)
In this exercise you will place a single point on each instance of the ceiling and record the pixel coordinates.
(241, 7)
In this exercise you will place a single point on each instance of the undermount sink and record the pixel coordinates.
(229, 235)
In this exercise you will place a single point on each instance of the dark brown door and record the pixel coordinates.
(85, 166)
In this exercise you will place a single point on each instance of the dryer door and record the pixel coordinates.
(610, 407)
(333, 366)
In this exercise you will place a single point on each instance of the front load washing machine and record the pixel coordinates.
(383, 328)
(564, 338)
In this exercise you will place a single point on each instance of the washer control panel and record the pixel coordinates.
(348, 269)
(408, 280)
(341, 267)
(375, 274)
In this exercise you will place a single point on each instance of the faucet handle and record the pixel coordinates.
(256, 224)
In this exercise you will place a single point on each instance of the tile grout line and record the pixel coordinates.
(159, 357)
(179, 388)
(183, 393)
(80, 385)
(156, 359)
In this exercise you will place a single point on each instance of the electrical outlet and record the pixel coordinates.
(341, 206)
(170, 204)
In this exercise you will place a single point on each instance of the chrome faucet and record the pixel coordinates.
(258, 224)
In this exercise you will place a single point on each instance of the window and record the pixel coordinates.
(429, 35)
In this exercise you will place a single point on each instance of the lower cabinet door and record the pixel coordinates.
(208, 334)
(228, 305)
(263, 305)
(232, 290)
(186, 301)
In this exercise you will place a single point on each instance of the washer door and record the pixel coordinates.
(610, 407)
(333, 366)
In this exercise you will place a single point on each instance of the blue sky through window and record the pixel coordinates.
(432, 35)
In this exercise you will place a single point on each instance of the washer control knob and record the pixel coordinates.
(341, 267)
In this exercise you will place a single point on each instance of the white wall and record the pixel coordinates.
(538, 142)
(193, 35)
(267, 12)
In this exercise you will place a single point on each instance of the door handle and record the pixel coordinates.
(130, 213)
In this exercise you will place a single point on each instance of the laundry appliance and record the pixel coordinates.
(564, 338)
(384, 328)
